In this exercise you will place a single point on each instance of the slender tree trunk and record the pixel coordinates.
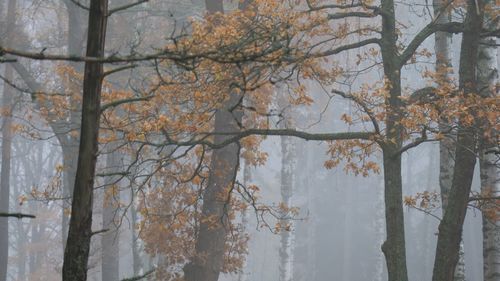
(22, 238)
(489, 157)
(5, 173)
(110, 239)
(450, 228)
(288, 163)
(379, 232)
(8, 92)
(447, 144)
(79, 234)
(34, 240)
(136, 259)
(394, 246)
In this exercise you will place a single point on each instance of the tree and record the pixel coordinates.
(450, 227)
(287, 182)
(489, 169)
(193, 108)
(210, 243)
(8, 107)
(446, 145)
(80, 232)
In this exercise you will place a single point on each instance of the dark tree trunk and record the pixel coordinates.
(210, 244)
(450, 228)
(394, 246)
(79, 234)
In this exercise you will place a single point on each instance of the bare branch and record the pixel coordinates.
(351, 14)
(347, 47)
(123, 101)
(80, 5)
(431, 28)
(99, 231)
(363, 106)
(236, 136)
(118, 69)
(481, 198)
(341, 7)
(17, 215)
(124, 7)
(140, 277)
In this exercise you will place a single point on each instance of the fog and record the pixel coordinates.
(292, 217)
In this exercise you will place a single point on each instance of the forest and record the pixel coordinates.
(249, 140)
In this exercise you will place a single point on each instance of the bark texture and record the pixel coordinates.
(394, 245)
(446, 145)
(288, 166)
(450, 228)
(208, 261)
(210, 244)
(69, 142)
(80, 232)
(489, 157)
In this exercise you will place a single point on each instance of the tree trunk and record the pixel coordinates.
(5, 174)
(22, 237)
(288, 163)
(8, 92)
(136, 259)
(210, 243)
(111, 238)
(77, 248)
(394, 246)
(447, 144)
(489, 169)
(450, 228)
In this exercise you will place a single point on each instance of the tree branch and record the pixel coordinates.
(363, 106)
(236, 136)
(351, 14)
(124, 7)
(339, 6)
(110, 59)
(17, 215)
(347, 47)
(140, 277)
(431, 28)
(122, 101)
(480, 198)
